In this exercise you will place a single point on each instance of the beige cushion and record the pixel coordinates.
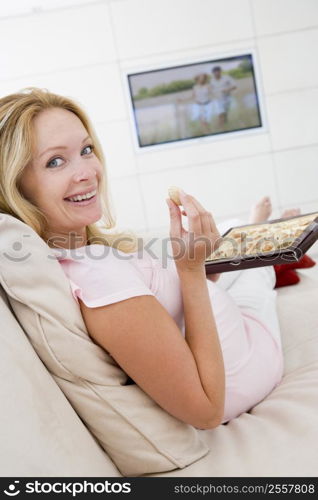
(138, 435)
(279, 436)
(40, 433)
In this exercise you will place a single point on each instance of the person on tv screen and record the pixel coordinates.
(222, 86)
(201, 108)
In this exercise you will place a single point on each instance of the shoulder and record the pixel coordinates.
(100, 275)
(95, 260)
(92, 254)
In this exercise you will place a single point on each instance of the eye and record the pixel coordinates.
(88, 149)
(54, 162)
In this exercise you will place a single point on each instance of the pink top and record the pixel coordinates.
(101, 275)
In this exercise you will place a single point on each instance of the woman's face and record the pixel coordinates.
(202, 79)
(63, 166)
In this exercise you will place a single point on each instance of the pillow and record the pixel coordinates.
(304, 263)
(286, 278)
(286, 274)
(138, 435)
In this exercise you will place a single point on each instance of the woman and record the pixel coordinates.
(228, 356)
(202, 106)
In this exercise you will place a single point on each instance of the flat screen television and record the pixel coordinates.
(205, 99)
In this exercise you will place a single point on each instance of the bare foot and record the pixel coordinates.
(261, 211)
(292, 212)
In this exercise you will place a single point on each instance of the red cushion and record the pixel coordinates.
(303, 263)
(286, 277)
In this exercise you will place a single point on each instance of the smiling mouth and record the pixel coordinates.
(82, 197)
(82, 200)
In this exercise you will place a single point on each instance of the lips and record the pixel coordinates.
(89, 195)
(85, 201)
(82, 202)
(82, 193)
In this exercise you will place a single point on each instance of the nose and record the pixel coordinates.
(84, 171)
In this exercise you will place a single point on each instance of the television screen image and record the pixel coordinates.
(195, 100)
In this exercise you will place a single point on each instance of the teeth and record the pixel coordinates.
(83, 197)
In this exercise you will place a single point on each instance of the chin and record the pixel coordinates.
(90, 220)
(94, 218)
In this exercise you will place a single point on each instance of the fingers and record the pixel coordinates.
(200, 220)
(214, 229)
(213, 277)
(206, 217)
(192, 213)
(175, 219)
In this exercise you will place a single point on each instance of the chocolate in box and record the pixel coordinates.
(278, 241)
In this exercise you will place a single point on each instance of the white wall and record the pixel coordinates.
(81, 49)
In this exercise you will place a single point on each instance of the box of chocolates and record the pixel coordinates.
(272, 242)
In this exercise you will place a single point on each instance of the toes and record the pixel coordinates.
(295, 211)
(265, 201)
(291, 212)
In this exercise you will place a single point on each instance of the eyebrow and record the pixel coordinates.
(60, 147)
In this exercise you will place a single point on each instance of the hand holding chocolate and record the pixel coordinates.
(173, 193)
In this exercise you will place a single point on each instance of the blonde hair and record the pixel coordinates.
(16, 138)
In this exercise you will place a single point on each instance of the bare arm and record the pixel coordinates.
(202, 337)
(146, 342)
(187, 99)
(201, 331)
(229, 88)
(184, 376)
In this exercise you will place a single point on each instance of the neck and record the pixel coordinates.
(69, 240)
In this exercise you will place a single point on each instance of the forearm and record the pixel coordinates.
(202, 337)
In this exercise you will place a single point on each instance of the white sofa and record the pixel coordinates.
(41, 434)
